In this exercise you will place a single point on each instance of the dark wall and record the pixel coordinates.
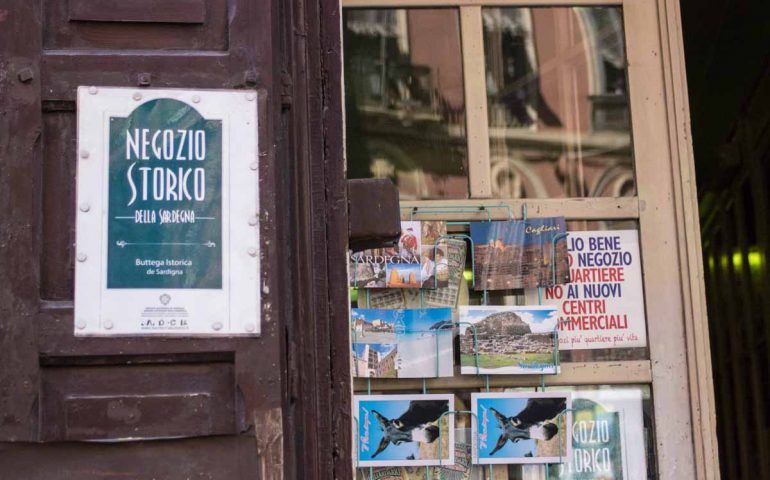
(727, 48)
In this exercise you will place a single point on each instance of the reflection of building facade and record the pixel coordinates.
(557, 105)
(558, 108)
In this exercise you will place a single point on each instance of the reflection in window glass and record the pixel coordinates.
(557, 98)
(405, 107)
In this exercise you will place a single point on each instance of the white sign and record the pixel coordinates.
(603, 306)
(167, 213)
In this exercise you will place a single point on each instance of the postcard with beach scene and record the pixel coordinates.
(509, 339)
(404, 430)
(402, 343)
(521, 427)
(419, 260)
(518, 254)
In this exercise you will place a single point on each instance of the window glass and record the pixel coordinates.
(469, 296)
(557, 102)
(622, 444)
(404, 99)
(522, 297)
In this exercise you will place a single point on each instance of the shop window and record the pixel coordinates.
(405, 104)
(557, 102)
(553, 86)
(478, 113)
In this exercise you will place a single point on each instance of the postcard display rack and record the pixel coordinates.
(563, 415)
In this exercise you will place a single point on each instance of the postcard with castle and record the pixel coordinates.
(520, 254)
(419, 260)
(402, 343)
(522, 427)
(508, 339)
(404, 430)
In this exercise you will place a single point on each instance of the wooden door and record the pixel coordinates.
(170, 407)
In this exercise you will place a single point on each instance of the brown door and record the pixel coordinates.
(171, 408)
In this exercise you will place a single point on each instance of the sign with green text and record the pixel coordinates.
(168, 212)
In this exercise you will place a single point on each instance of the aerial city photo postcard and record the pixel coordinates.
(404, 430)
(508, 339)
(518, 254)
(402, 343)
(521, 427)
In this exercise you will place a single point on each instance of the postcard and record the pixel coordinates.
(404, 430)
(509, 339)
(521, 427)
(417, 261)
(402, 343)
(425, 297)
(518, 254)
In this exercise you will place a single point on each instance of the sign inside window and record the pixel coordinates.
(603, 306)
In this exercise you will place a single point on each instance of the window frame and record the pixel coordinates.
(665, 207)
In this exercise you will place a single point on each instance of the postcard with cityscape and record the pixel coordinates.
(402, 343)
(521, 427)
(404, 430)
(417, 261)
(508, 340)
(517, 254)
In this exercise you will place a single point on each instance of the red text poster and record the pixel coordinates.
(603, 306)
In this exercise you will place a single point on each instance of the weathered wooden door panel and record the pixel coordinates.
(123, 389)
(171, 407)
(149, 401)
(198, 25)
(212, 458)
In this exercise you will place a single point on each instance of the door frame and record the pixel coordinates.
(679, 368)
(306, 431)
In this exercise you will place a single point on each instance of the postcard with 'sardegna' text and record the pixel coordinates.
(419, 260)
